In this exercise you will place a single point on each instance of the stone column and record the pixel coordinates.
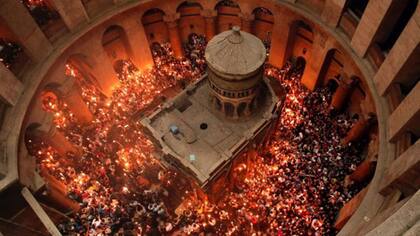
(247, 21)
(315, 63)
(401, 64)
(174, 37)
(406, 116)
(332, 11)
(369, 25)
(23, 26)
(136, 36)
(10, 86)
(342, 93)
(209, 19)
(71, 94)
(73, 13)
(359, 129)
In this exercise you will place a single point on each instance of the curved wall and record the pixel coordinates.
(316, 31)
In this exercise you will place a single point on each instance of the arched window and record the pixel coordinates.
(115, 43)
(154, 26)
(190, 20)
(263, 25)
(300, 41)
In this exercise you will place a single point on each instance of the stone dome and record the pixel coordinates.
(235, 54)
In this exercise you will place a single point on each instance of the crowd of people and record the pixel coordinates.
(42, 11)
(194, 50)
(9, 52)
(294, 187)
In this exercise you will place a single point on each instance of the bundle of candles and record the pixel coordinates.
(294, 187)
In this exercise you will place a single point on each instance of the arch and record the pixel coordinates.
(155, 26)
(263, 25)
(229, 109)
(332, 66)
(187, 4)
(301, 36)
(241, 109)
(227, 3)
(116, 44)
(227, 15)
(190, 21)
